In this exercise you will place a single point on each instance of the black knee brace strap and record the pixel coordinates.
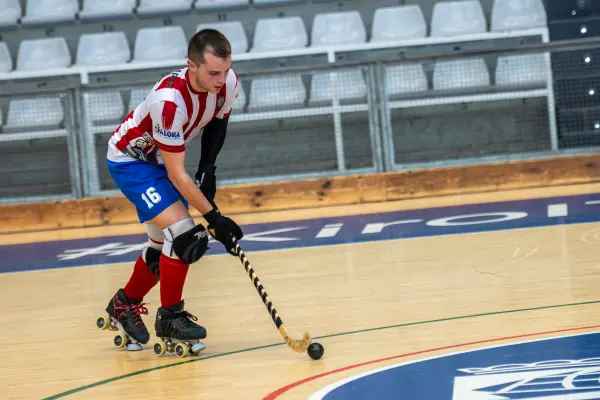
(152, 259)
(190, 246)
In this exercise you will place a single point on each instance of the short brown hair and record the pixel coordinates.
(208, 40)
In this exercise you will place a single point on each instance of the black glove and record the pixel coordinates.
(207, 182)
(223, 229)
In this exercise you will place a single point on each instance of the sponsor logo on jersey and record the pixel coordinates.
(220, 101)
(166, 134)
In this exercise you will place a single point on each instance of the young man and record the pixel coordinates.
(146, 160)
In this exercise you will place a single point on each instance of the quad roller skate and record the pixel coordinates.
(177, 332)
(124, 315)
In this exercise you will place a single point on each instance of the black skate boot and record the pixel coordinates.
(178, 332)
(125, 315)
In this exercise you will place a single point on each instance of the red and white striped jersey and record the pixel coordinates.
(169, 117)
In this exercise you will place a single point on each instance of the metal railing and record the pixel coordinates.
(342, 115)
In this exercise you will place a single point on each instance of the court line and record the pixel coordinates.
(117, 378)
(275, 394)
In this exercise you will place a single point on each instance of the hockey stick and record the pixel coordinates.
(299, 346)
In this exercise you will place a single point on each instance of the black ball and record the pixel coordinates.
(315, 351)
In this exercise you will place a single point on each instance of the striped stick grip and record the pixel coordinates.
(259, 287)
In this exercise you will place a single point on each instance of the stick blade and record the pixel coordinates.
(300, 346)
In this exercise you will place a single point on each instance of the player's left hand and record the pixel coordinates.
(206, 181)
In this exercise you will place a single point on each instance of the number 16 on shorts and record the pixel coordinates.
(151, 197)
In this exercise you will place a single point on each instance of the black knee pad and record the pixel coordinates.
(152, 260)
(190, 246)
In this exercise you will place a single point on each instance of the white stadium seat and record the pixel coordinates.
(100, 9)
(518, 14)
(153, 7)
(103, 48)
(460, 74)
(522, 69)
(453, 18)
(50, 11)
(162, 43)
(11, 12)
(36, 54)
(105, 106)
(333, 29)
(279, 34)
(405, 78)
(398, 23)
(219, 4)
(34, 113)
(282, 91)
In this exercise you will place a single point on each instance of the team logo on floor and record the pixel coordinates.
(562, 368)
(563, 379)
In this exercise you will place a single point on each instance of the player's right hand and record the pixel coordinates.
(223, 229)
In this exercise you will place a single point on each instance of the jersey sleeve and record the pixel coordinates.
(167, 126)
(230, 98)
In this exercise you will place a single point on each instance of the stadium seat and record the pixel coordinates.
(452, 18)
(398, 23)
(163, 43)
(50, 11)
(34, 113)
(11, 12)
(455, 18)
(269, 2)
(460, 74)
(240, 102)
(137, 96)
(522, 69)
(105, 106)
(162, 7)
(233, 30)
(521, 14)
(525, 69)
(276, 92)
(279, 34)
(103, 48)
(220, 4)
(401, 23)
(336, 28)
(6, 64)
(101, 9)
(405, 78)
(36, 54)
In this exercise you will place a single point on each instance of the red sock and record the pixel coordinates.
(172, 278)
(141, 281)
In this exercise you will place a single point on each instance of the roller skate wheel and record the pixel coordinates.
(197, 348)
(160, 348)
(120, 341)
(102, 323)
(182, 349)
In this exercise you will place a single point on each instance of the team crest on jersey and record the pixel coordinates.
(220, 101)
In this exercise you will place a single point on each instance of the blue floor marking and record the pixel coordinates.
(427, 222)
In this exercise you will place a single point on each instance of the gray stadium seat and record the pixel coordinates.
(336, 28)
(452, 18)
(405, 78)
(162, 43)
(34, 113)
(105, 106)
(11, 12)
(100, 9)
(36, 54)
(152, 7)
(277, 92)
(528, 69)
(521, 69)
(6, 64)
(398, 23)
(103, 48)
(460, 74)
(50, 11)
(521, 14)
(217, 4)
(137, 96)
(233, 30)
(401, 23)
(455, 18)
(240, 102)
(279, 34)
(350, 85)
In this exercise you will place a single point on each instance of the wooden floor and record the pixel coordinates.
(363, 302)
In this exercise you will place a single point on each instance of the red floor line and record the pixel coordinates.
(275, 394)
